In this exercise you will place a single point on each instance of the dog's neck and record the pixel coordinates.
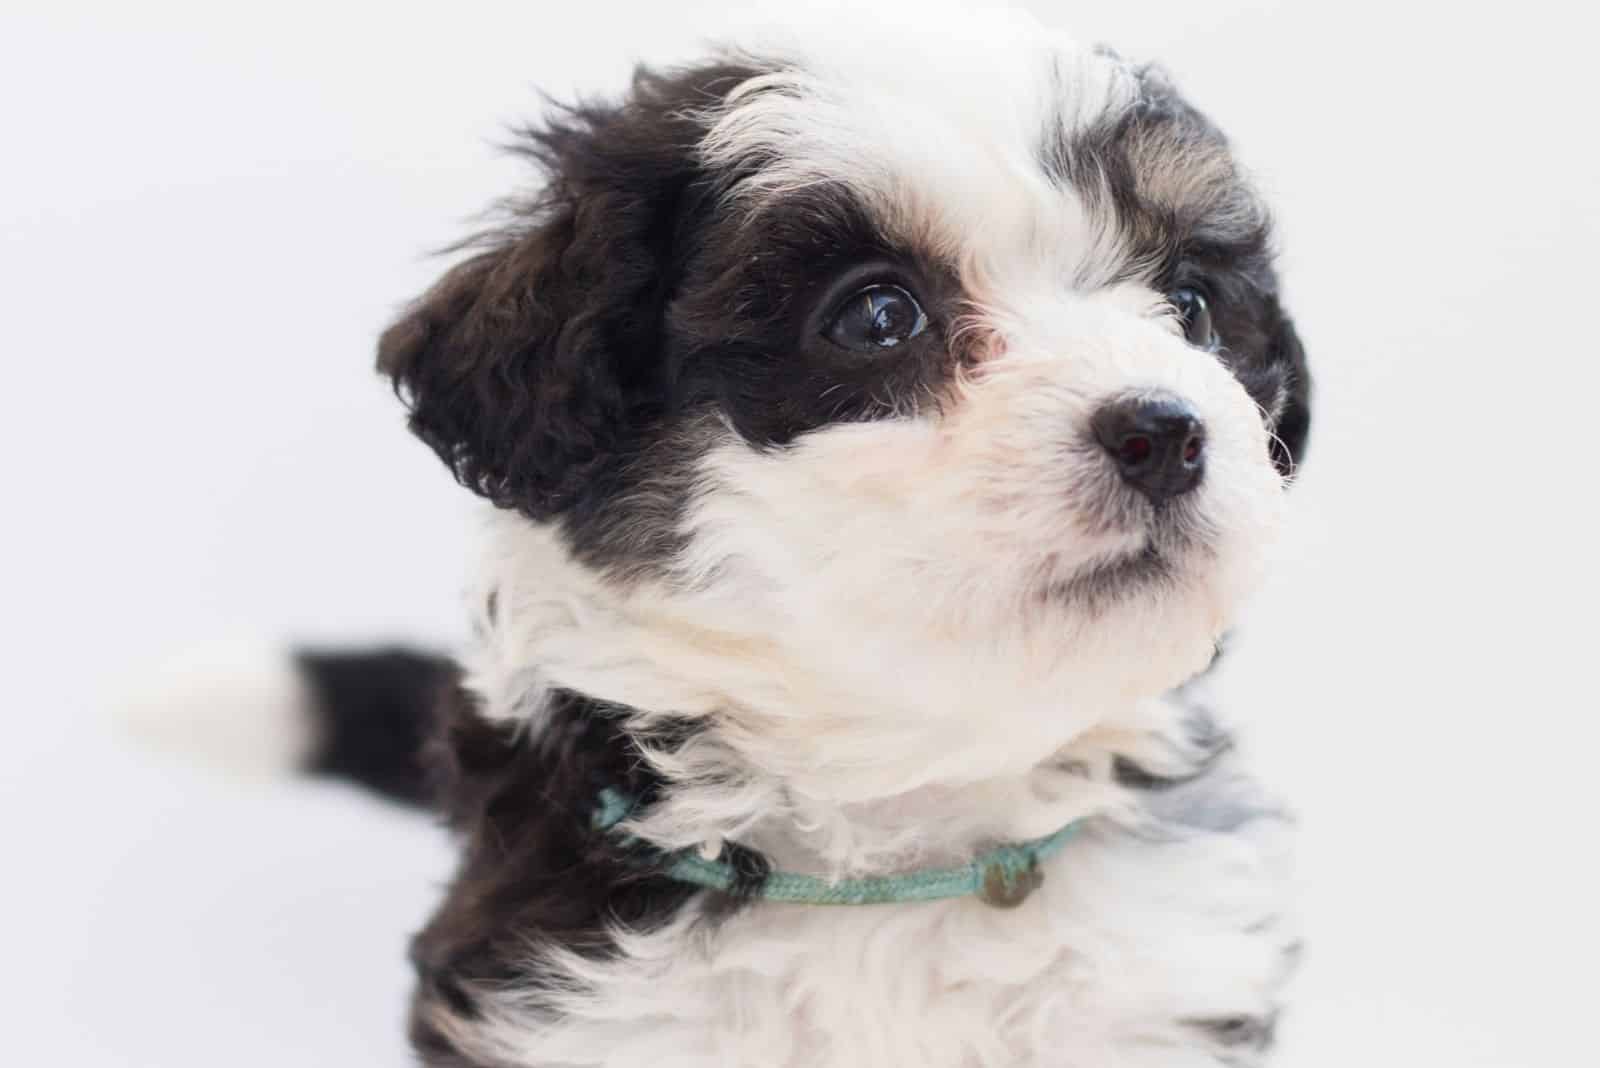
(748, 751)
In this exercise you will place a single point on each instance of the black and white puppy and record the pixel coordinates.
(884, 427)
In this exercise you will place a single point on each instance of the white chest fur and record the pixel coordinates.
(1160, 947)
(1160, 935)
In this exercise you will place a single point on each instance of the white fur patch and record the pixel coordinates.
(241, 706)
(1144, 936)
(940, 135)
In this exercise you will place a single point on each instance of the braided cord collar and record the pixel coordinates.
(1003, 877)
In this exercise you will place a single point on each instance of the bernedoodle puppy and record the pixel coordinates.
(883, 424)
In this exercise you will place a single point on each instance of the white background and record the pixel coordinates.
(208, 212)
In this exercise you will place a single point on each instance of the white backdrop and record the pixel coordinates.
(208, 212)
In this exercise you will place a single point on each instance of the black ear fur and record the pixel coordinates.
(532, 366)
(1293, 429)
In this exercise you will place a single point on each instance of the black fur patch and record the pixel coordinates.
(535, 368)
(1254, 1034)
(746, 333)
(535, 871)
(373, 712)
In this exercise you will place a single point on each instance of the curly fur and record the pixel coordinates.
(841, 612)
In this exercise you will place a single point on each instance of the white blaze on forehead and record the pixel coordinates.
(935, 125)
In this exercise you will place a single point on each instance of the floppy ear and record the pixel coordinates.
(1294, 422)
(515, 405)
(530, 367)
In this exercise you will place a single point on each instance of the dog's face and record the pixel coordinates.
(923, 359)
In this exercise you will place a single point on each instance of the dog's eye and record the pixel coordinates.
(877, 317)
(1195, 314)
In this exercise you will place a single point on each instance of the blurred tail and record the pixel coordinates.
(361, 715)
(374, 711)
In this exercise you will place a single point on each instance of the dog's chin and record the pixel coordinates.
(1142, 557)
(1154, 605)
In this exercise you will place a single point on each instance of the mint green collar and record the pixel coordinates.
(1003, 877)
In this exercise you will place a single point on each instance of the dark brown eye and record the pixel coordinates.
(876, 318)
(1195, 315)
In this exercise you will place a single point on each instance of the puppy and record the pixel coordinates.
(883, 426)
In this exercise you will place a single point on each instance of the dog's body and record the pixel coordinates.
(1159, 936)
(883, 431)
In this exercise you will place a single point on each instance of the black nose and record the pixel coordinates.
(1158, 444)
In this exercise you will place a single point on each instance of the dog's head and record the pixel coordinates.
(942, 363)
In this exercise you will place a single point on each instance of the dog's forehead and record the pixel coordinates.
(1016, 146)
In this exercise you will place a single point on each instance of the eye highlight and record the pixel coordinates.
(1195, 314)
(876, 318)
